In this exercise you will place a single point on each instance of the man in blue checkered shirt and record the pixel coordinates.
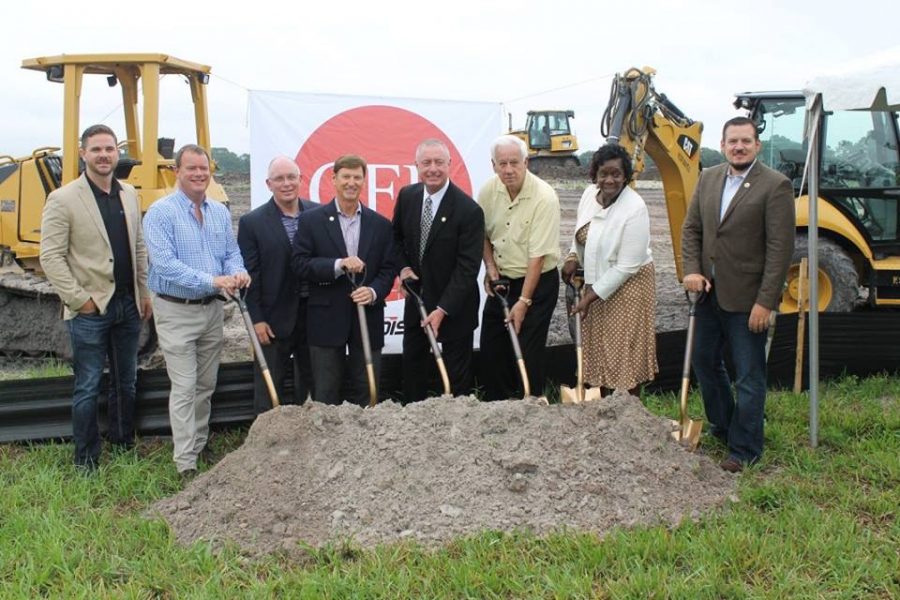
(193, 256)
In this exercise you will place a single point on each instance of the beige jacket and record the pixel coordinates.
(75, 251)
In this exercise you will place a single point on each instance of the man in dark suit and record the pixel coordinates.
(445, 260)
(340, 241)
(737, 243)
(277, 298)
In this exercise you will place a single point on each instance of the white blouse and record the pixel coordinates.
(618, 241)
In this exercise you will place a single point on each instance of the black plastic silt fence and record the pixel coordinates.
(859, 343)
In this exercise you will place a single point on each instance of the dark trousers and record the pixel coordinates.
(500, 373)
(738, 422)
(418, 363)
(339, 376)
(286, 357)
(94, 338)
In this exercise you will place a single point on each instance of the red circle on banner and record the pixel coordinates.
(386, 137)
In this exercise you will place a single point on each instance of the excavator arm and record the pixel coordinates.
(642, 120)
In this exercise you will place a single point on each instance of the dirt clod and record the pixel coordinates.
(443, 468)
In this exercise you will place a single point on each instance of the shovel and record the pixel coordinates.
(409, 284)
(257, 349)
(566, 394)
(688, 432)
(366, 344)
(496, 286)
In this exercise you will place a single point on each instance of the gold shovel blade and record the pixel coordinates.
(568, 395)
(688, 434)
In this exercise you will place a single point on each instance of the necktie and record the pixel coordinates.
(426, 226)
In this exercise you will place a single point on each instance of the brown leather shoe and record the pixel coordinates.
(732, 465)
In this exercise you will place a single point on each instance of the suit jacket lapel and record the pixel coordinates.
(89, 203)
(365, 232)
(333, 227)
(443, 214)
(743, 191)
(273, 214)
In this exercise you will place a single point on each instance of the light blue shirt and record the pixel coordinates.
(732, 185)
(350, 232)
(185, 257)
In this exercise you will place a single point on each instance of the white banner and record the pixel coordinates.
(315, 129)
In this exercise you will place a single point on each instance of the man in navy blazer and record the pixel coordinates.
(339, 242)
(277, 298)
(445, 260)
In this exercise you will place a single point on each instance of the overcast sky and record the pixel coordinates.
(515, 53)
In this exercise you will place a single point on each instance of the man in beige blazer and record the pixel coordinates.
(92, 251)
(737, 243)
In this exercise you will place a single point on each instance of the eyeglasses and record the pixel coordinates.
(437, 162)
(282, 178)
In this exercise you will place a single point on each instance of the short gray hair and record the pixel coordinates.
(431, 143)
(509, 140)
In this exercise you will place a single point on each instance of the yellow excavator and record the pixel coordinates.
(644, 121)
(859, 203)
(29, 309)
(549, 137)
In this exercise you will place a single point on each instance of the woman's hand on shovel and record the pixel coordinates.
(587, 298)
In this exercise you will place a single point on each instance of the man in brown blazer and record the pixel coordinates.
(737, 243)
(92, 251)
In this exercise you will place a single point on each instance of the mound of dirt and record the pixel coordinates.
(443, 468)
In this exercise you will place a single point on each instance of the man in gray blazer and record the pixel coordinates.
(92, 251)
(737, 243)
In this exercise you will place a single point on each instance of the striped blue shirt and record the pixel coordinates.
(185, 257)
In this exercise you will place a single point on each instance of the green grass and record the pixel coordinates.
(38, 370)
(808, 524)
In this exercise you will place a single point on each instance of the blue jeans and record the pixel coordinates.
(94, 337)
(738, 423)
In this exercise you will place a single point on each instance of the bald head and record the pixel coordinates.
(283, 180)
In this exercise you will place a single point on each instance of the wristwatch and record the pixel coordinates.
(528, 301)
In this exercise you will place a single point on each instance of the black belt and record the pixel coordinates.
(177, 300)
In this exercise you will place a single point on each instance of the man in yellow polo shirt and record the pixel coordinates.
(521, 220)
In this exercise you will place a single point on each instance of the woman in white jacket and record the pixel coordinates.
(612, 243)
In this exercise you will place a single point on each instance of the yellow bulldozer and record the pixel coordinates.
(29, 309)
(549, 137)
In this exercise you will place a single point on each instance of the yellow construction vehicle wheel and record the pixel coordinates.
(838, 280)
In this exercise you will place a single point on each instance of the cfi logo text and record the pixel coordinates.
(386, 137)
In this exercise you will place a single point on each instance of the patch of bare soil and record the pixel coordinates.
(444, 468)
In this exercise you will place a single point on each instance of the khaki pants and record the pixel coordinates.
(190, 336)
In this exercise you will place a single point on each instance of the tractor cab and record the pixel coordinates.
(859, 171)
